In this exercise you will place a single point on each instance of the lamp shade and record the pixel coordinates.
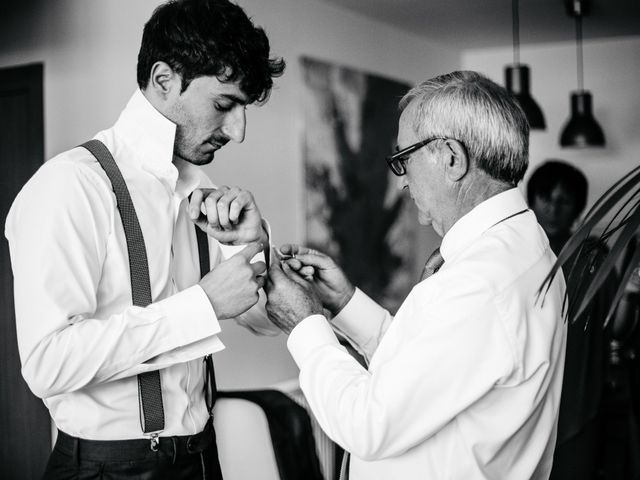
(582, 129)
(517, 81)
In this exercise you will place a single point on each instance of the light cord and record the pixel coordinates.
(515, 17)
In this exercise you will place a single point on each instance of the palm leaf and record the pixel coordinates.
(605, 269)
(602, 206)
(635, 259)
(623, 201)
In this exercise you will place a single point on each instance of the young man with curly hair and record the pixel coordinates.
(89, 350)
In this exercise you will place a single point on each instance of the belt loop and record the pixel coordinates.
(76, 453)
(175, 452)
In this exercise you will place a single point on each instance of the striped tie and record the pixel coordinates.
(433, 264)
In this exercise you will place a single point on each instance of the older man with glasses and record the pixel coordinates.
(464, 381)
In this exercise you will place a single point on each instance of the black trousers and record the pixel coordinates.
(177, 458)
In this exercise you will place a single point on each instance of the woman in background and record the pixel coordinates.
(557, 193)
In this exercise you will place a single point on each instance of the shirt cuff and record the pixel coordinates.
(360, 306)
(362, 321)
(189, 327)
(310, 334)
(191, 315)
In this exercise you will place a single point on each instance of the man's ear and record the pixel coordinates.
(164, 81)
(456, 161)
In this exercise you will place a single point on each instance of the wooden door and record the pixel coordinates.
(25, 426)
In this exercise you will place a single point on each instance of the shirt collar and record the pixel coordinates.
(482, 217)
(150, 136)
(190, 177)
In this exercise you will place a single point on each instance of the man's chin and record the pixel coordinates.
(428, 221)
(201, 159)
(424, 220)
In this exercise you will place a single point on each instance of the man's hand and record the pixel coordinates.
(232, 216)
(290, 299)
(232, 286)
(329, 281)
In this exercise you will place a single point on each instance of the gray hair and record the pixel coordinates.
(482, 115)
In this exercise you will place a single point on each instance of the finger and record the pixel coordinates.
(224, 237)
(300, 250)
(268, 284)
(210, 204)
(294, 263)
(313, 262)
(294, 269)
(243, 201)
(275, 254)
(307, 271)
(251, 250)
(275, 273)
(293, 275)
(223, 206)
(288, 249)
(259, 268)
(315, 259)
(195, 203)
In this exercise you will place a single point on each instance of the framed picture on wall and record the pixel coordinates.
(355, 211)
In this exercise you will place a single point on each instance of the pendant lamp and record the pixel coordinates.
(582, 129)
(517, 77)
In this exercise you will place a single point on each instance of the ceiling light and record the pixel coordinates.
(582, 129)
(517, 77)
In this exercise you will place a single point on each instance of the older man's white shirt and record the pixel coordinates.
(464, 382)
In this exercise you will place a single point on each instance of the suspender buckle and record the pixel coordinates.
(155, 442)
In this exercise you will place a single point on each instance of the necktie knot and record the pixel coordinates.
(433, 264)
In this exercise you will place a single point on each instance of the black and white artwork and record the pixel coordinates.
(355, 211)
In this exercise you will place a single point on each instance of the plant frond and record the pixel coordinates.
(635, 259)
(622, 203)
(603, 271)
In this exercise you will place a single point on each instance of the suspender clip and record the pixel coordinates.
(155, 442)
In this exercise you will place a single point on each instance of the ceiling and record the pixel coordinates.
(466, 24)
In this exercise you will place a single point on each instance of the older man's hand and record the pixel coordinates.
(290, 299)
(328, 280)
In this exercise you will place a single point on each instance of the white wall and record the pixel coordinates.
(89, 49)
(611, 73)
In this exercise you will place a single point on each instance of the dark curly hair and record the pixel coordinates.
(209, 37)
(557, 172)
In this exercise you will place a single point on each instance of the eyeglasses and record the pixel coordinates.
(398, 161)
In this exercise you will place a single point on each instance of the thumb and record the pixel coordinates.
(251, 250)
(293, 275)
(275, 270)
(274, 275)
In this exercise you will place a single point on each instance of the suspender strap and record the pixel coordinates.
(210, 389)
(149, 387)
(203, 251)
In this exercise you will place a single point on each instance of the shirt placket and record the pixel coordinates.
(187, 367)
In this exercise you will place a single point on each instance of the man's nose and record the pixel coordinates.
(551, 208)
(235, 124)
(402, 182)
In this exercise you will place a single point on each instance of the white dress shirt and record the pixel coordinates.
(464, 382)
(81, 341)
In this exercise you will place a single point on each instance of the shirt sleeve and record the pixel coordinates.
(58, 231)
(445, 348)
(363, 323)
